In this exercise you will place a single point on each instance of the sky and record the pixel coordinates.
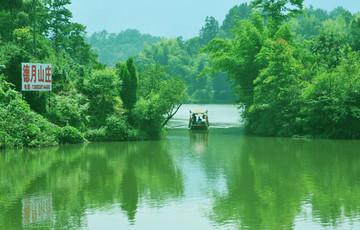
(167, 18)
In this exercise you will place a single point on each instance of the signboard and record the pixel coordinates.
(36, 77)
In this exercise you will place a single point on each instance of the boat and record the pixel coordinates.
(199, 120)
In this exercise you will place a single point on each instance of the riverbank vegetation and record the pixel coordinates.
(294, 72)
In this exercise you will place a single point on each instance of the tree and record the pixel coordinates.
(100, 87)
(235, 14)
(329, 47)
(275, 92)
(16, 52)
(192, 46)
(10, 4)
(355, 32)
(78, 49)
(209, 31)
(341, 12)
(331, 101)
(128, 90)
(134, 82)
(237, 57)
(160, 96)
(278, 11)
(60, 22)
(306, 26)
(12, 16)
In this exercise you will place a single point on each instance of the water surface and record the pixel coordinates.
(219, 179)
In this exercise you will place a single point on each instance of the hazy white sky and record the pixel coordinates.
(167, 18)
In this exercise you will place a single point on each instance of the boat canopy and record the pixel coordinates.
(198, 111)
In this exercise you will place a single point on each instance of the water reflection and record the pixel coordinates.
(204, 180)
(283, 183)
(81, 178)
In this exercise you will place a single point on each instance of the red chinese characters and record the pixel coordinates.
(33, 73)
(41, 74)
(48, 74)
(26, 73)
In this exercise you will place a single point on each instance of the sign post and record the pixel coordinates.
(36, 77)
(34, 1)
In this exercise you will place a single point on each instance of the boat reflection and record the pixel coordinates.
(199, 140)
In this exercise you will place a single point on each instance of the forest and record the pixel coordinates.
(293, 71)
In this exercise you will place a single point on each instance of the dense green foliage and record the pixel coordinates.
(159, 93)
(181, 56)
(277, 11)
(69, 134)
(88, 100)
(294, 76)
(19, 126)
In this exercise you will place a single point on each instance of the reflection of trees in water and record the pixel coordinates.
(130, 194)
(334, 178)
(94, 176)
(270, 180)
(18, 170)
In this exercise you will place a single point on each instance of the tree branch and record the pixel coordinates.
(171, 115)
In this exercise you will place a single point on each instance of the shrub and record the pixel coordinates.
(69, 134)
(19, 126)
(96, 135)
(117, 128)
(101, 89)
(69, 109)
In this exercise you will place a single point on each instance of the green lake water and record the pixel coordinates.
(218, 179)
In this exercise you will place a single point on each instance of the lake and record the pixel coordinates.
(220, 179)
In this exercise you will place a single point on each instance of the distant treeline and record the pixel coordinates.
(112, 47)
(182, 57)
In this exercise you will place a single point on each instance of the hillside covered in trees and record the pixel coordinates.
(88, 101)
(293, 71)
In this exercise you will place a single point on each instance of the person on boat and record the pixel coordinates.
(203, 119)
(193, 119)
(199, 121)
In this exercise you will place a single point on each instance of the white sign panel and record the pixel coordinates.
(36, 77)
